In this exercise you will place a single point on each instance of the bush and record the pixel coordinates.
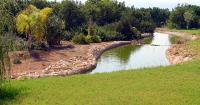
(40, 46)
(107, 34)
(96, 39)
(177, 40)
(55, 30)
(17, 61)
(67, 36)
(89, 39)
(20, 44)
(147, 27)
(136, 33)
(79, 39)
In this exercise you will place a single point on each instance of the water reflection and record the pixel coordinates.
(132, 56)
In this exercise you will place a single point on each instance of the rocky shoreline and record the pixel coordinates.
(77, 64)
(178, 53)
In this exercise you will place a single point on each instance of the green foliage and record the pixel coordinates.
(125, 28)
(185, 16)
(55, 30)
(33, 21)
(4, 58)
(96, 39)
(108, 33)
(188, 16)
(6, 44)
(91, 30)
(177, 40)
(159, 16)
(147, 27)
(89, 39)
(70, 12)
(148, 40)
(19, 44)
(67, 36)
(40, 46)
(79, 39)
(104, 11)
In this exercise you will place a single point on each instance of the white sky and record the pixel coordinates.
(154, 3)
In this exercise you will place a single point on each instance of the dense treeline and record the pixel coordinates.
(185, 16)
(107, 19)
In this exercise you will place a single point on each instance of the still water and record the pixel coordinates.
(133, 57)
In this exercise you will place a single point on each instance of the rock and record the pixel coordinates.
(179, 54)
(76, 64)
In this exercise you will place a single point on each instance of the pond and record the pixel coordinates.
(133, 56)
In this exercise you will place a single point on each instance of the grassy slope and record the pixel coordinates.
(193, 31)
(173, 85)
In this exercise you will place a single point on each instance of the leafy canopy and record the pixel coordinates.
(34, 20)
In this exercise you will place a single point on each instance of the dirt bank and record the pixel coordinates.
(187, 36)
(179, 53)
(71, 59)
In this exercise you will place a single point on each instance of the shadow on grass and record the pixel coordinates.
(8, 93)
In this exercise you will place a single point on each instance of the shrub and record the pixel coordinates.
(177, 40)
(79, 39)
(136, 33)
(89, 39)
(107, 34)
(147, 27)
(127, 30)
(55, 30)
(17, 61)
(18, 44)
(40, 46)
(67, 35)
(96, 39)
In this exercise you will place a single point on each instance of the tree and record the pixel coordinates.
(32, 21)
(6, 29)
(104, 11)
(159, 16)
(185, 16)
(189, 16)
(70, 12)
(91, 30)
(55, 30)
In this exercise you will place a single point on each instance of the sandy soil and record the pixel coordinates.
(39, 60)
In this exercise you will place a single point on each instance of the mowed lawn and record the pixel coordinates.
(172, 85)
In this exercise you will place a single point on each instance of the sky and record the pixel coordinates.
(154, 3)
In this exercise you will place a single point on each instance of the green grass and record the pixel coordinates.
(172, 85)
(148, 40)
(177, 40)
(192, 31)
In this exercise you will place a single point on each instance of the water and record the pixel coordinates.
(133, 57)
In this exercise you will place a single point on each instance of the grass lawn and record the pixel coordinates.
(192, 31)
(172, 85)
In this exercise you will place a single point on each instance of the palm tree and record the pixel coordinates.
(32, 21)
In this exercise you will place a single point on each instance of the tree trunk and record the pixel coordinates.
(188, 23)
(29, 39)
